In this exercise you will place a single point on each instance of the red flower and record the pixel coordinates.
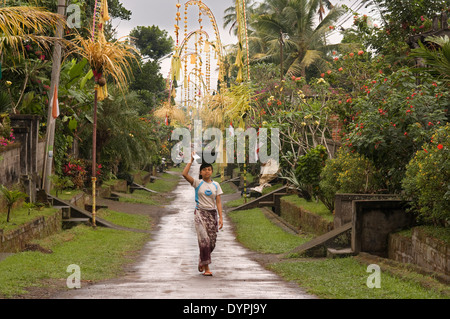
(440, 146)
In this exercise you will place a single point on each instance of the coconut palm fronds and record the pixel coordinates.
(17, 23)
(106, 58)
(437, 59)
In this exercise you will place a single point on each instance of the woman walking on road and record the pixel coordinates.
(208, 204)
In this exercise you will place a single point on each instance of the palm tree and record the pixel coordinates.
(438, 59)
(11, 197)
(18, 21)
(322, 5)
(229, 18)
(298, 19)
(121, 135)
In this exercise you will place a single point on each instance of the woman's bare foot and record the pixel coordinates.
(207, 271)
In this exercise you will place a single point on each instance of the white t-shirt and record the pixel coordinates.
(206, 193)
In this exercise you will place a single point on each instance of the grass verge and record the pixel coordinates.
(341, 278)
(101, 254)
(20, 216)
(317, 208)
(256, 232)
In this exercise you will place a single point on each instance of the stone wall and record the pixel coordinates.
(304, 220)
(15, 241)
(374, 220)
(343, 205)
(10, 165)
(420, 249)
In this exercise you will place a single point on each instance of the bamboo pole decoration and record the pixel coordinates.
(177, 25)
(94, 158)
(94, 20)
(246, 38)
(186, 79)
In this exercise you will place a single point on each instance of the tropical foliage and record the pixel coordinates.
(388, 109)
(427, 180)
(129, 136)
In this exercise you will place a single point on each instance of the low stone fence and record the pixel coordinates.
(16, 240)
(302, 219)
(420, 249)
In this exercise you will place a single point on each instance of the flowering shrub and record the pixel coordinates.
(392, 120)
(308, 170)
(5, 141)
(427, 179)
(75, 170)
(299, 109)
(347, 173)
(6, 132)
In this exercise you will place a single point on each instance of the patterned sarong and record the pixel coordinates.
(206, 226)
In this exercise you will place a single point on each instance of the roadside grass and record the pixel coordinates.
(256, 232)
(340, 278)
(227, 188)
(20, 216)
(141, 197)
(317, 208)
(236, 202)
(135, 221)
(346, 278)
(165, 184)
(101, 254)
(66, 194)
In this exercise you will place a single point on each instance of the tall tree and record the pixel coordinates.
(152, 42)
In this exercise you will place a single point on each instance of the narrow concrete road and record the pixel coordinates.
(168, 267)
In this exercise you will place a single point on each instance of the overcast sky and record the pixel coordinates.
(162, 13)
